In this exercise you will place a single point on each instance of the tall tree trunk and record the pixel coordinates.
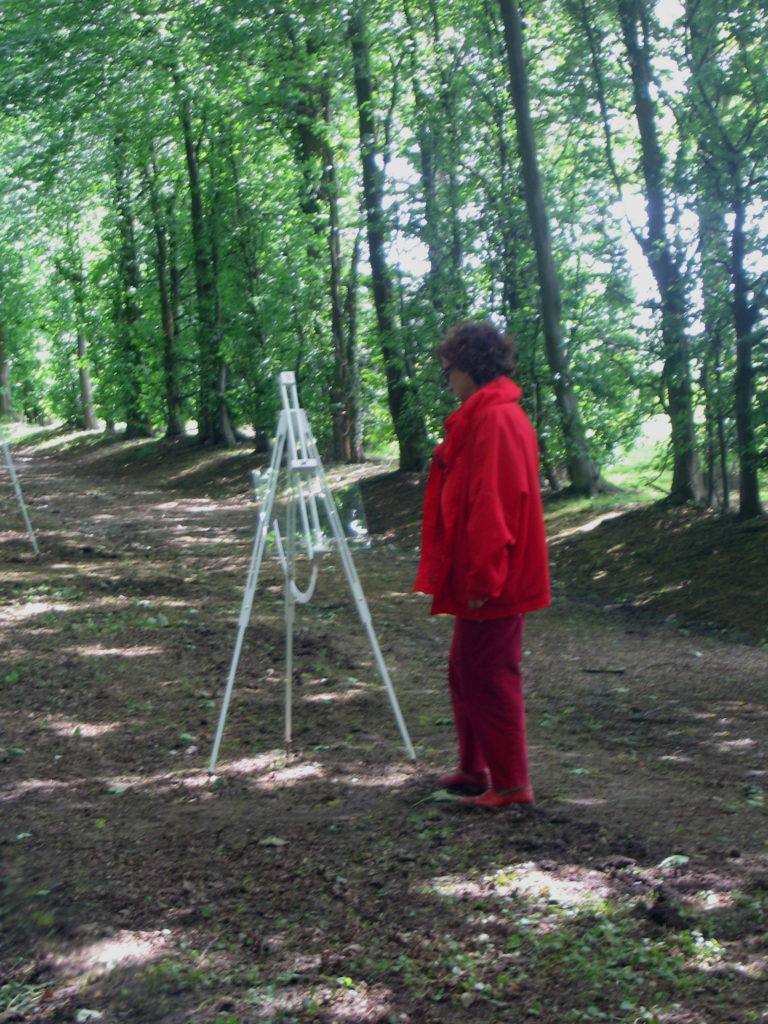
(407, 418)
(726, 159)
(226, 432)
(713, 246)
(208, 350)
(508, 229)
(5, 376)
(260, 389)
(71, 270)
(583, 473)
(353, 425)
(174, 420)
(658, 251)
(347, 430)
(745, 318)
(442, 234)
(127, 309)
(312, 124)
(90, 422)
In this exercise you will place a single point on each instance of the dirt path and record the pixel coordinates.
(646, 744)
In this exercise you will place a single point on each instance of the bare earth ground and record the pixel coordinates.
(334, 883)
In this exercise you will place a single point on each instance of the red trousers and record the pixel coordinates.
(487, 693)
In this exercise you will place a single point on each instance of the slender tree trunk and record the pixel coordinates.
(127, 309)
(745, 317)
(174, 420)
(347, 433)
(71, 270)
(5, 376)
(509, 233)
(442, 232)
(713, 245)
(407, 418)
(724, 174)
(584, 474)
(226, 432)
(209, 359)
(90, 421)
(353, 426)
(260, 389)
(676, 371)
(312, 123)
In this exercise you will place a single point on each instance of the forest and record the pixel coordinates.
(197, 196)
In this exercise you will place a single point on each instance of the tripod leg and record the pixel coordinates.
(290, 609)
(365, 616)
(289, 568)
(257, 554)
(19, 495)
(245, 615)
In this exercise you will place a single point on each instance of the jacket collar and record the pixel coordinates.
(499, 391)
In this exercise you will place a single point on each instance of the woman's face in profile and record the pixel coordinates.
(459, 382)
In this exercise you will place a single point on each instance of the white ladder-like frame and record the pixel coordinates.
(308, 490)
(17, 490)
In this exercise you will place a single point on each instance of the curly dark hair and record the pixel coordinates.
(479, 349)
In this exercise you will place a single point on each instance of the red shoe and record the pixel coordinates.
(467, 782)
(493, 799)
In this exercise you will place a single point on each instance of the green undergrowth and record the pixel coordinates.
(517, 959)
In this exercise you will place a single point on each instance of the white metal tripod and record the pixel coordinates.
(308, 491)
(17, 489)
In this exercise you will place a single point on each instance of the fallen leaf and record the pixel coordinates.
(444, 794)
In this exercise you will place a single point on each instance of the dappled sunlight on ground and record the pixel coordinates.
(133, 651)
(293, 774)
(527, 880)
(554, 534)
(105, 954)
(584, 801)
(249, 766)
(85, 730)
(278, 768)
(351, 693)
(451, 886)
(34, 785)
(30, 610)
(332, 882)
(580, 886)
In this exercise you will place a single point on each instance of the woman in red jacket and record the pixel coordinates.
(484, 560)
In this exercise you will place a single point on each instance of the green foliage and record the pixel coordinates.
(17, 1000)
(183, 215)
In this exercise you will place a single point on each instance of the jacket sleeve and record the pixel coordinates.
(497, 494)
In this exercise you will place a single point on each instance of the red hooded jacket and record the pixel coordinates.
(483, 535)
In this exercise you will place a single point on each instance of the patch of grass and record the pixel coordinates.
(644, 468)
(535, 953)
(621, 972)
(18, 999)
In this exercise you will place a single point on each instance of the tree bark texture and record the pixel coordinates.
(318, 162)
(745, 318)
(5, 375)
(407, 419)
(583, 473)
(209, 422)
(71, 270)
(128, 312)
(174, 420)
(658, 251)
